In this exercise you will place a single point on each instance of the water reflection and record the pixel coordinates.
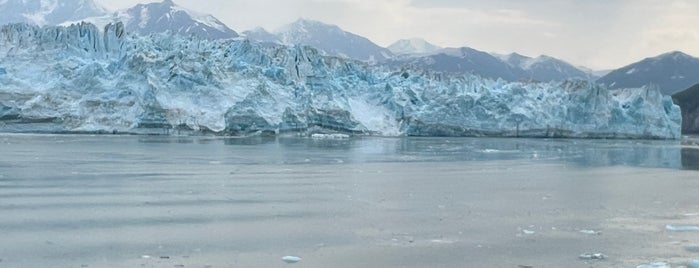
(291, 150)
(690, 158)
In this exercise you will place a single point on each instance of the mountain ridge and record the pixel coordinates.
(48, 12)
(413, 46)
(672, 71)
(329, 38)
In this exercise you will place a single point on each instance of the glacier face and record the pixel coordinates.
(81, 79)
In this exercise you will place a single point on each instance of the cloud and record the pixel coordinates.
(675, 26)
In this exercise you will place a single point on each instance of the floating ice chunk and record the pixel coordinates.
(442, 241)
(654, 265)
(592, 256)
(291, 259)
(590, 232)
(330, 136)
(682, 228)
(528, 232)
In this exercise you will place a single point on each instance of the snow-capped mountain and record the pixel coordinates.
(165, 16)
(545, 68)
(78, 78)
(672, 72)
(48, 12)
(413, 46)
(259, 34)
(329, 38)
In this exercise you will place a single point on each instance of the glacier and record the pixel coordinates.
(81, 79)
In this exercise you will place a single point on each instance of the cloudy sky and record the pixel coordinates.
(600, 34)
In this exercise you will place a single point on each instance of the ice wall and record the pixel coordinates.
(82, 79)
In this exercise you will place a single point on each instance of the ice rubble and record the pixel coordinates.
(81, 79)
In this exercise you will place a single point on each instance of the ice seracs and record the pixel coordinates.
(84, 79)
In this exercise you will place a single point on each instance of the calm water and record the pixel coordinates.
(138, 201)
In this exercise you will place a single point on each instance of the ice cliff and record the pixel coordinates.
(83, 79)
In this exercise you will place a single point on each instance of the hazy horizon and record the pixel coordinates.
(595, 34)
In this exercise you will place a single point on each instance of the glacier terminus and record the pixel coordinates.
(82, 79)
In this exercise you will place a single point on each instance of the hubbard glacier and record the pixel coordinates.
(82, 79)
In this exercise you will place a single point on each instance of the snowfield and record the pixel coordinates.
(82, 79)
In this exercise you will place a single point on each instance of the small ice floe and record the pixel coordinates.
(682, 228)
(336, 136)
(693, 264)
(528, 232)
(590, 232)
(145, 257)
(442, 241)
(491, 151)
(654, 265)
(291, 259)
(686, 214)
(592, 256)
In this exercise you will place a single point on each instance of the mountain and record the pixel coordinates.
(81, 79)
(461, 60)
(672, 72)
(545, 68)
(329, 38)
(413, 46)
(167, 16)
(160, 17)
(48, 12)
(512, 67)
(259, 34)
(688, 100)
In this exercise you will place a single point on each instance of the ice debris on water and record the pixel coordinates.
(654, 265)
(590, 232)
(335, 136)
(528, 232)
(592, 256)
(291, 259)
(682, 228)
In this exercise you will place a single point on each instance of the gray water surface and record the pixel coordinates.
(149, 201)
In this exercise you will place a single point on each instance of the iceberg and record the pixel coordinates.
(79, 78)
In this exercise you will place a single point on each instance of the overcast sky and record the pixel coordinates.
(600, 34)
